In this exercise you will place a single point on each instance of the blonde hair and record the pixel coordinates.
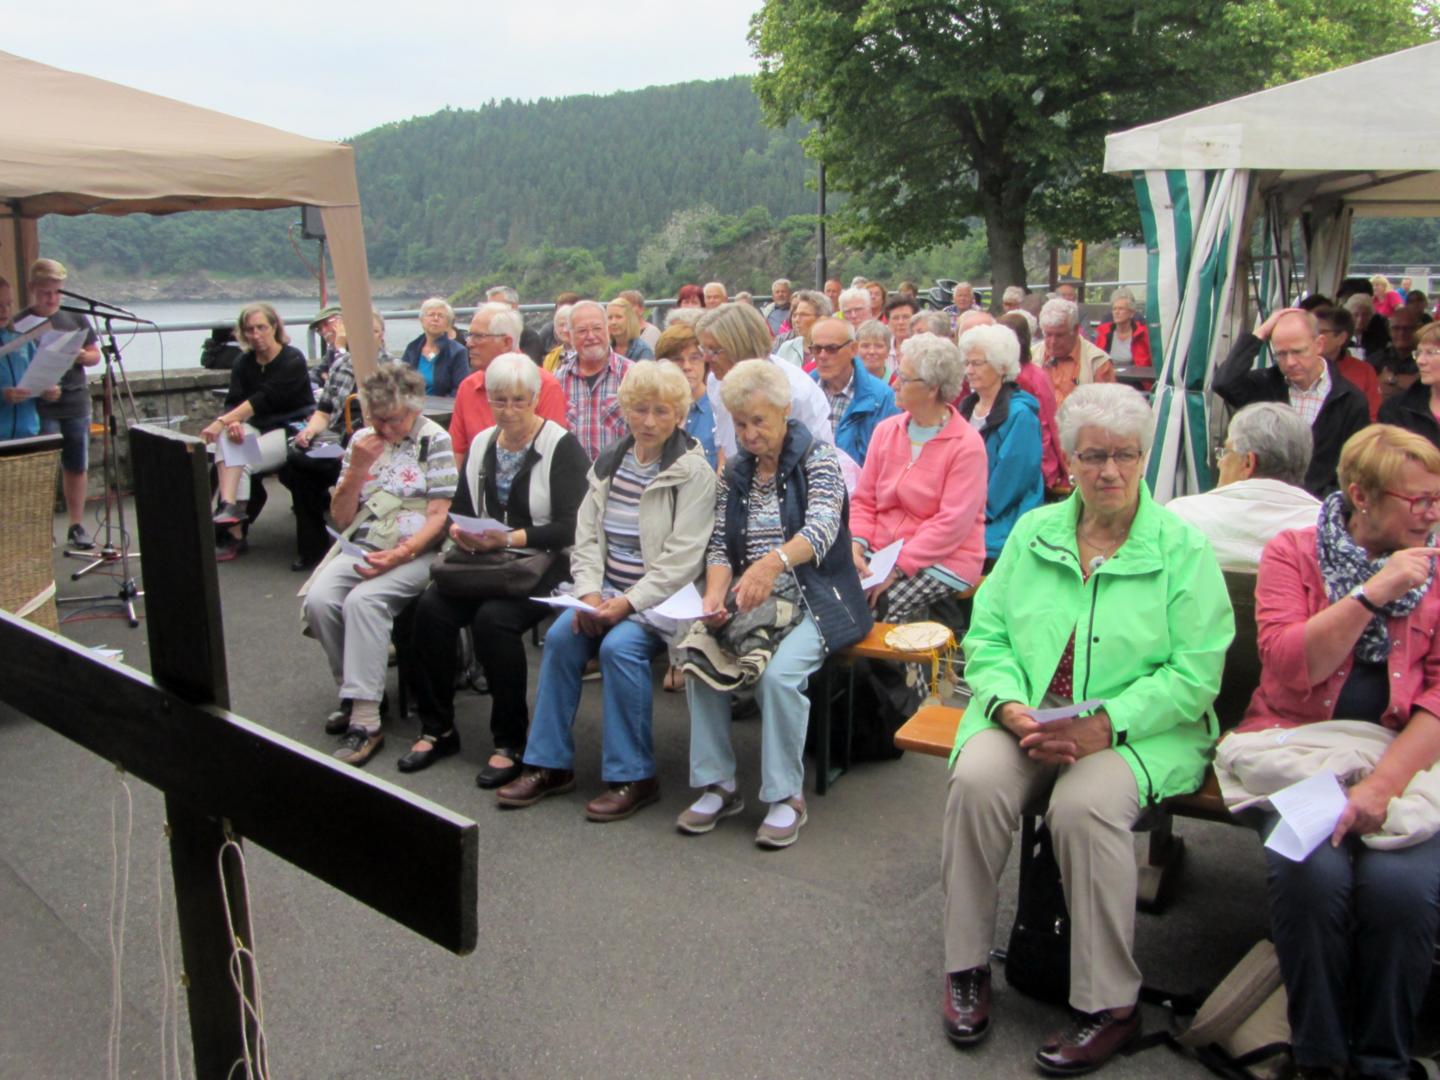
(1373, 457)
(650, 380)
(47, 270)
(675, 340)
(632, 317)
(741, 331)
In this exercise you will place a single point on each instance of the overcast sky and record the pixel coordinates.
(331, 70)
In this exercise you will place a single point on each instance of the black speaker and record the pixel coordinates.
(312, 225)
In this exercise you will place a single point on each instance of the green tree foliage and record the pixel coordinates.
(935, 114)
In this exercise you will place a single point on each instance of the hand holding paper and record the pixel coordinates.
(881, 563)
(563, 602)
(685, 604)
(1308, 812)
(346, 546)
(478, 525)
(245, 452)
(56, 353)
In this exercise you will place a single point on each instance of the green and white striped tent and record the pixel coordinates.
(1206, 179)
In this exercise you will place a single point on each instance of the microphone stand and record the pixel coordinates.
(109, 552)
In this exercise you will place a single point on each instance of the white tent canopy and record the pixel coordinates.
(82, 145)
(1290, 154)
(1306, 135)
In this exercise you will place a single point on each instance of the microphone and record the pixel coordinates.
(118, 313)
(95, 303)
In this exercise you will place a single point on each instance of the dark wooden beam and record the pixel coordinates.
(417, 862)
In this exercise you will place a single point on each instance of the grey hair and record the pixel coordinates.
(392, 386)
(1033, 321)
(438, 302)
(1359, 300)
(937, 363)
(575, 310)
(750, 377)
(1123, 293)
(503, 293)
(856, 292)
(1058, 314)
(780, 283)
(1280, 440)
(816, 299)
(504, 320)
(859, 282)
(931, 322)
(998, 345)
(562, 312)
(1012, 292)
(513, 371)
(961, 285)
(683, 316)
(1111, 407)
(873, 330)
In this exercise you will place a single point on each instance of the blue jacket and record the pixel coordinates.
(831, 590)
(23, 420)
(452, 364)
(872, 401)
(1012, 445)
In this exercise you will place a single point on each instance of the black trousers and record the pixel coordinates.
(499, 625)
(310, 500)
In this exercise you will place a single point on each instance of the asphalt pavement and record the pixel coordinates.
(619, 950)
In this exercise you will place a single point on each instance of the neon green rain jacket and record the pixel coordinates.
(1151, 628)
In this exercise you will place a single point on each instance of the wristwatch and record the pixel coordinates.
(1359, 594)
(784, 559)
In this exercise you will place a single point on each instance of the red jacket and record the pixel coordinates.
(1139, 341)
(1288, 590)
(472, 413)
(936, 503)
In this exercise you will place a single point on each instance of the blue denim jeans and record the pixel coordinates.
(625, 653)
(784, 717)
(1354, 930)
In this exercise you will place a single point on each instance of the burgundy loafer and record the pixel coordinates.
(534, 785)
(1090, 1041)
(966, 1011)
(622, 800)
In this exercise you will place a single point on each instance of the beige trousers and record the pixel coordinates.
(1089, 807)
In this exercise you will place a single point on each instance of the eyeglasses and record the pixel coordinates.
(1095, 459)
(1222, 451)
(1430, 352)
(829, 350)
(712, 354)
(1419, 504)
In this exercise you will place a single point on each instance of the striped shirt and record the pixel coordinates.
(1309, 402)
(764, 531)
(624, 562)
(409, 470)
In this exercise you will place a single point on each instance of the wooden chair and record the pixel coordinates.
(27, 492)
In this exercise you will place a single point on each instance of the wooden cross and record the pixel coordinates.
(222, 775)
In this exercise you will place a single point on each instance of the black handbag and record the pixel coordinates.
(1037, 960)
(479, 575)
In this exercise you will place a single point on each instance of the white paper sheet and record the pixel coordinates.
(346, 547)
(245, 452)
(1308, 813)
(685, 604)
(564, 602)
(881, 563)
(26, 323)
(325, 450)
(56, 353)
(1064, 712)
(478, 525)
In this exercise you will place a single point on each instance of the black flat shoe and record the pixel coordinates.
(492, 777)
(440, 746)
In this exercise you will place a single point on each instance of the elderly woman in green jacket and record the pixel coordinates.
(1109, 600)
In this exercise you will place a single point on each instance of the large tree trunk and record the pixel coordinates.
(1005, 238)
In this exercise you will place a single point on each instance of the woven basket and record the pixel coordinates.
(27, 563)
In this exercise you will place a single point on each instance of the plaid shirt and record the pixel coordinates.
(338, 386)
(839, 401)
(1309, 402)
(594, 415)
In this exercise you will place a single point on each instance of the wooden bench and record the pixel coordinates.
(932, 731)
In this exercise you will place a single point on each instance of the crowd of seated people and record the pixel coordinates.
(764, 458)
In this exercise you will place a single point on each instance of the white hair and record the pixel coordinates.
(1058, 314)
(751, 377)
(856, 292)
(683, 316)
(437, 303)
(513, 371)
(873, 330)
(998, 345)
(1114, 408)
(1012, 292)
(937, 363)
(503, 293)
(1281, 441)
(780, 283)
(503, 320)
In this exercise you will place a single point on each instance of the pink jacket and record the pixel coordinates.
(1288, 591)
(936, 504)
(1033, 380)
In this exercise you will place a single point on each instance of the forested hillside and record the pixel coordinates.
(646, 189)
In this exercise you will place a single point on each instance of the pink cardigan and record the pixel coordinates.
(936, 503)
(1288, 591)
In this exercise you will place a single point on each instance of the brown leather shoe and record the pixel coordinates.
(534, 785)
(966, 1010)
(622, 800)
(1090, 1041)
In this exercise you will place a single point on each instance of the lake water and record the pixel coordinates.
(181, 348)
